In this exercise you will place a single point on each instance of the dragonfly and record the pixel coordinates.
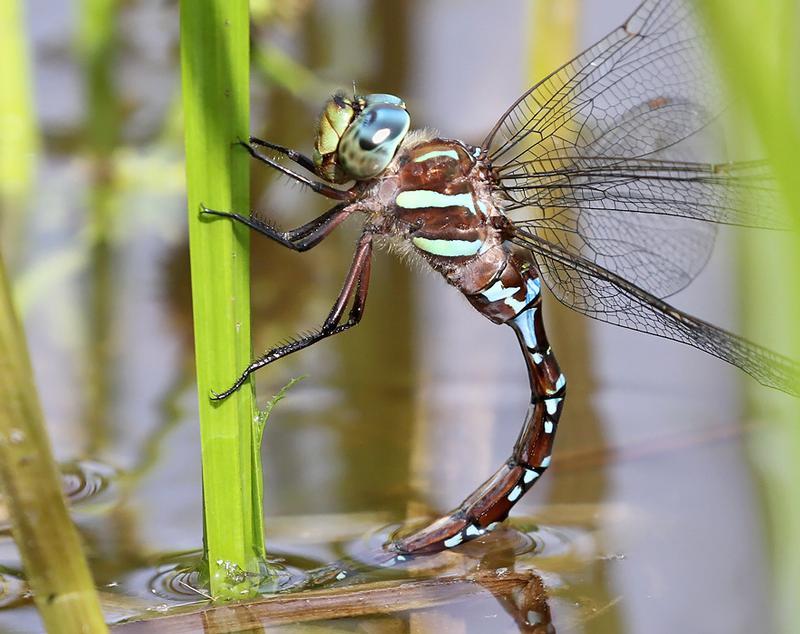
(616, 216)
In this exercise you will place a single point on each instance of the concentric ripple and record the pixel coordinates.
(555, 540)
(85, 480)
(82, 481)
(519, 539)
(183, 579)
(179, 579)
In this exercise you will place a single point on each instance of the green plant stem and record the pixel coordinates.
(17, 123)
(215, 83)
(18, 132)
(48, 542)
(756, 43)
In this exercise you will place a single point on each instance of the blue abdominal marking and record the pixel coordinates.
(497, 292)
(516, 492)
(455, 540)
(515, 304)
(526, 325)
(534, 287)
(448, 248)
(422, 198)
(552, 405)
(524, 319)
(473, 531)
(529, 476)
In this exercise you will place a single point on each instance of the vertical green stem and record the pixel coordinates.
(215, 80)
(48, 542)
(51, 550)
(18, 134)
(757, 43)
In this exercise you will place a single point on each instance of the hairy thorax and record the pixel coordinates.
(435, 202)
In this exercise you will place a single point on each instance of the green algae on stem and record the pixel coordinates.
(215, 64)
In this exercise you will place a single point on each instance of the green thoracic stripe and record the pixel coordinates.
(422, 198)
(435, 153)
(448, 248)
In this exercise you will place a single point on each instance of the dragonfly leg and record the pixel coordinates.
(317, 186)
(493, 500)
(301, 159)
(300, 239)
(355, 288)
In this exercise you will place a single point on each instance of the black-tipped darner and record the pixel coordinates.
(617, 216)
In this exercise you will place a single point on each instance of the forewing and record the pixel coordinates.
(645, 85)
(601, 151)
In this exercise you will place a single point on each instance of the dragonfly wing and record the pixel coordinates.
(590, 289)
(649, 83)
(602, 151)
(652, 222)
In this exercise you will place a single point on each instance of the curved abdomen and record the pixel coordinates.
(512, 295)
(440, 198)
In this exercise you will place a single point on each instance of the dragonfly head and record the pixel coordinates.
(357, 138)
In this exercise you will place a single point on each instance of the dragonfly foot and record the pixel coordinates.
(219, 396)
(205, 211)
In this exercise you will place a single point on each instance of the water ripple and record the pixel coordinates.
(182, 578)
(84, 480)
(13, 591)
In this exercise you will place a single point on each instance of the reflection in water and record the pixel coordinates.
(494, 574)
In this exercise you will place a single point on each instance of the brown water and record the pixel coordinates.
(648, 520)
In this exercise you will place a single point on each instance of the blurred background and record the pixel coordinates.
(651, 518)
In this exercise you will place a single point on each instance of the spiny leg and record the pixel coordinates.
(300, 239)
(301, 159)
(493, 500)
(355, 287)
(317, 186)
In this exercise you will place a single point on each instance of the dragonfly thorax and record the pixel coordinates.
(443, 209)
(358, 138)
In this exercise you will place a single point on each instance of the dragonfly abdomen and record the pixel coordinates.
(511, 295)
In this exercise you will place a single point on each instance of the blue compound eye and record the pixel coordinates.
(371, 140)
(378, 98)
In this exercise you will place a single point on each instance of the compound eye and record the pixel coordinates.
(371, 141)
